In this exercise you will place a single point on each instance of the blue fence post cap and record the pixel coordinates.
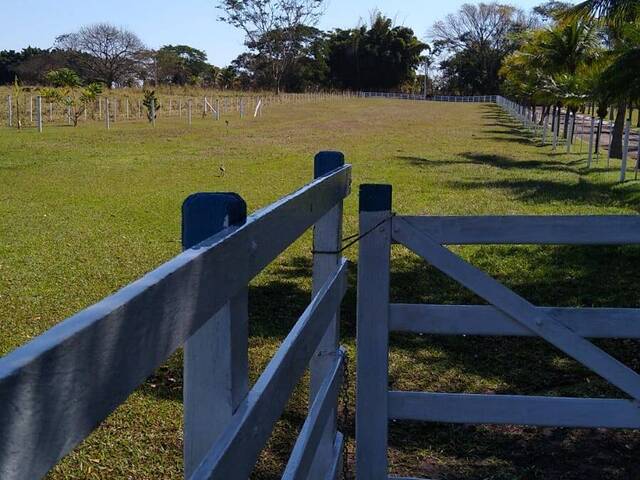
(205, 214)
(375, 197)
(325, 162)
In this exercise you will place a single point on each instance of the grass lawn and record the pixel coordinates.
(85, 211)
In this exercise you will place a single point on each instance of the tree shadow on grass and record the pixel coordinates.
(497, 161)
(458, 452)
(543, 192)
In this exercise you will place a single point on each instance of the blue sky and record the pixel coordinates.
(191, 22)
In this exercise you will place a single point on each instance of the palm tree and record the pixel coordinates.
(561, 51)
(616, 12)
(621, 17)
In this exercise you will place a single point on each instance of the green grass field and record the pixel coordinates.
(85, 211)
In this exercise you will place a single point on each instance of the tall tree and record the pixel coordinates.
(181, 65)
(273, 28)
(379, 57)
(307, 71)
(474, 41)
(110, 53)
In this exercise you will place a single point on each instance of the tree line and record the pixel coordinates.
(285, 51)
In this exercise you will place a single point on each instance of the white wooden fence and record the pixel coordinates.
(585, 127)
(507, 314)
(58, 388)
(431, 98)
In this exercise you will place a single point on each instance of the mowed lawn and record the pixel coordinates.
(85, 211)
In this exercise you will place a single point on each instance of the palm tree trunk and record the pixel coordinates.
(618, 131)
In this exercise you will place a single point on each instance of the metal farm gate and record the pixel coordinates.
(507, 314)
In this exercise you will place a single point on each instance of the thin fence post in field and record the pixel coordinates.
(39, 112)
(216, 369)
(10, 110)
(31, 109)
(106, 113)
(625, 150)
(609, 146)
(327, 241)
(570, 132)
(50, 112)
(153, 112)
(373, 332)
(556, 128)
(545, 128)
(591, 141)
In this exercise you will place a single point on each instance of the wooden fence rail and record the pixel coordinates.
(57, 389)
(507, 314)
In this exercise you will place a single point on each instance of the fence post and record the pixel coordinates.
(572, 119)
(625, 150)
(591, 141)
(106, 113)
(373, 332)
(556, 127)
(39, 112)
(327, 237)
(216, 356)
(545, 127)
(10, 107)
(153, 111)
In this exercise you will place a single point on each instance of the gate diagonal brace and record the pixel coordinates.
(518, 308)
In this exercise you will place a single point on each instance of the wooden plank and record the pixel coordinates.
(490, 321)
(60, 386)
(530, 230)
(235, 454)
(335, 470)
(327, 238)
(373, 332)
(216, 363)
(310, 437)
(514, 410)
(518, 308)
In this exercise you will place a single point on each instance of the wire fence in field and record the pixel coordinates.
(30, 110)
